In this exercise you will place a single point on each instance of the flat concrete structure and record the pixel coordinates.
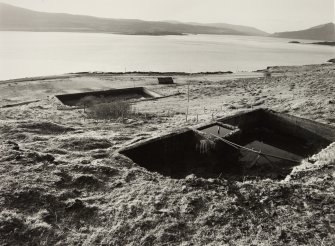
(255, 144)
(165, 80)
(136, 93)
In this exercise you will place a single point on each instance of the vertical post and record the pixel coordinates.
(186, 113)
(188, 98)
(188, 92)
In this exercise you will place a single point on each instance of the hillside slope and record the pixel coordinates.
(321, 32)
(19, 19)
(245, 29)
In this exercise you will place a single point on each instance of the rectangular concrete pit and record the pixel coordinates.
(262, 144)
(135, 93)
(165, 80)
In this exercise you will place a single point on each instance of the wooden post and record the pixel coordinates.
(188, 92)
(186, 114)
(188, 98)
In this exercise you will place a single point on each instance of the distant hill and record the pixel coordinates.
(324, 32)
(244, 29)
(19, 19)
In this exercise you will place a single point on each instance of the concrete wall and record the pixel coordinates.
(70, 99)
(160, 151)
(150, 93)
(300, 127)
(285, 123)
(165, 80)
(246, 119)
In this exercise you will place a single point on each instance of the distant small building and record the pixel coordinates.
(165, 80)
(267, 74)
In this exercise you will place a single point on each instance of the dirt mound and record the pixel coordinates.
(100, 154)
(35, 215)
(17, 229)
(47, 128)
(86, 181)
(78, 181)
(32, 199)
(10, 151)
(97, 169)
(39, 157)
(84, 144)
(80, 209)
(11, 145)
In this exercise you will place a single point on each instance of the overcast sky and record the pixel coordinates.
(268, 15)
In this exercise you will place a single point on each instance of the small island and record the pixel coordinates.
(155, 33)
(294, 42)
(329, 43)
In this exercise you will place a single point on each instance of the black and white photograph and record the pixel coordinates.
(167, 122)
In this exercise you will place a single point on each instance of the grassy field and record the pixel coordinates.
(64, 183)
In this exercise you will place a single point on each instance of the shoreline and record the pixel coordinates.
(149, 73)
(98, 73)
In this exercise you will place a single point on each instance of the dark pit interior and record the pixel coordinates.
(78, 99)
(255, 145)
(218, 129)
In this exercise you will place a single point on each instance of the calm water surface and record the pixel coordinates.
(24, 54)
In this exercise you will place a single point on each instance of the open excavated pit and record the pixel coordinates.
(136, 93)
(252, 145)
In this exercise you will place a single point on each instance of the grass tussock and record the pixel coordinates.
(102, 108)
(110, 111)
